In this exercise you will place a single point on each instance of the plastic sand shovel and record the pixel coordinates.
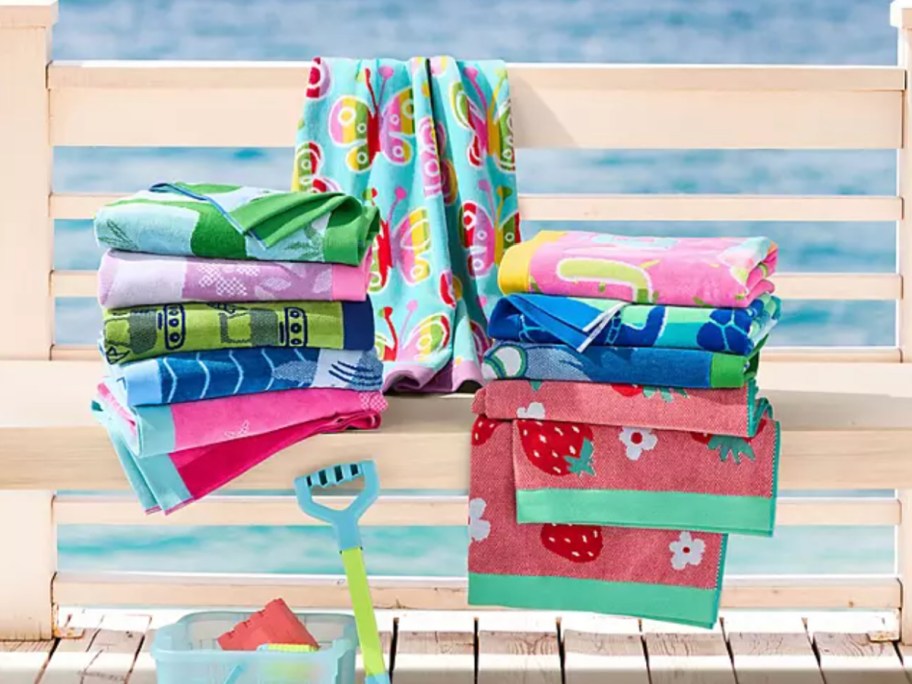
(345, 524)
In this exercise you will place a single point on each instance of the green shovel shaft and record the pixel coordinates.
(363, 608)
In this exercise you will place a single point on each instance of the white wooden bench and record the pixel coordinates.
(846, 413)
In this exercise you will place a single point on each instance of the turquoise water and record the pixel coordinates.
(688, 31)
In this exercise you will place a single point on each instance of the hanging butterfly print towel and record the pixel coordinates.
(428, 142)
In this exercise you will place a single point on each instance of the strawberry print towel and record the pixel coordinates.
(734, 412)
(429, 142)
(669, 575)
(705, 272)
(573, 472)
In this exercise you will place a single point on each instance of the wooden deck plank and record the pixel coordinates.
(600, 649)
(435, 646)
(518, 648)
(905, 655)
(679, 654)
(386, 627)
(105, 653)
(771, 649)
(848, 655)
(22, 661)
(144, 666)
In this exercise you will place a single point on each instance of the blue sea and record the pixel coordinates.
(658, 31)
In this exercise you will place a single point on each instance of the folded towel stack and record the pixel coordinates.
(236, 323)
(623, 437)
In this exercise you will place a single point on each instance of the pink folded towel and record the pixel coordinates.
(167, 482)
(650, 573)
(717, 272)
(149, 430)
(135, 279)
(734, 412)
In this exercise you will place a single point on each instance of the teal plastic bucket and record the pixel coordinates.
(187, 653)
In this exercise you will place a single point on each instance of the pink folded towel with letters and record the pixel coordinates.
(650, 573)
(680, 271)
(136, 279)
(734, 412)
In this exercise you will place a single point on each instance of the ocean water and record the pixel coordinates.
(659, 31)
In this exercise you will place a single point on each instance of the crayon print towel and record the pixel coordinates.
(653, 366)
(168, 481)
(149, 430)
(238, 222)
(734, 412)
(145, 332)
(706, 272)
(580, 322)
(649, 573)
(430, 144)
(195, 376)
(132, 279)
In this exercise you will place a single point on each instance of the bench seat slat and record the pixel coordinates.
(845, 426)
(144, 104)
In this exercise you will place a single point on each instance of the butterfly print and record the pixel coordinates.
(308, 161)
(381, 126)
(485, 233)
(491, 123)
(319, 81)
(430, 336)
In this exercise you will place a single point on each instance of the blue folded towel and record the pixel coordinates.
(580, 322)
(652, 366)
(192, 376)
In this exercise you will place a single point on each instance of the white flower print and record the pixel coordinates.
(479, 528)
(535, 410)
(637, 440)
(686, 550)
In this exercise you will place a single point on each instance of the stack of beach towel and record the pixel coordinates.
(623, 437)
(236, 323)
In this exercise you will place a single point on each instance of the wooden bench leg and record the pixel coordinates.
(26, 237)
(904, 564)
(28, 561)
(901, 19)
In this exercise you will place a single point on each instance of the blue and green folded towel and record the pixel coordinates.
(654, 366)
(580, 322)
(194, 376)
(239, 222)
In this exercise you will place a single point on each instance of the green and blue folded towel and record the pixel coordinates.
(239, 222)
(580, 322)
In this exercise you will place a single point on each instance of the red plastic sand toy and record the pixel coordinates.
(275, 624)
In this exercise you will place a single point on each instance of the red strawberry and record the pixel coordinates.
(576, 543)
(557, 448)
(701, 437)
(627, 390)
(483, 429)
